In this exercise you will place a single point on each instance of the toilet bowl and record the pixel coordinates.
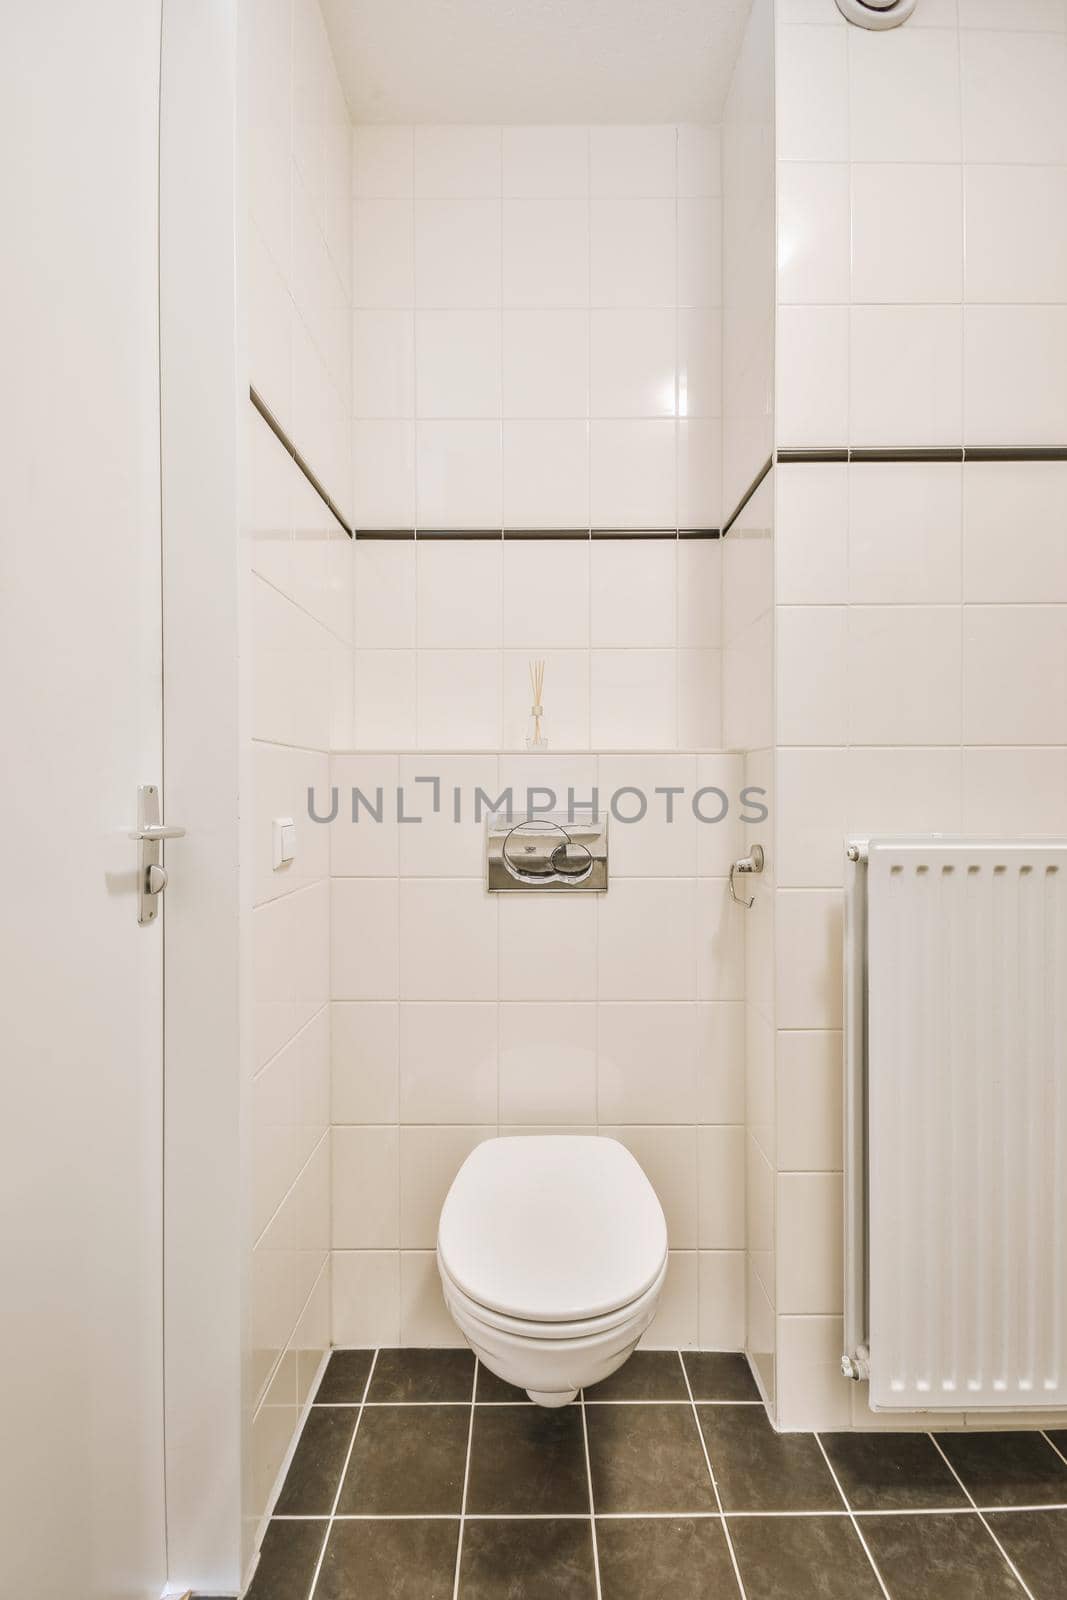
(552, 1251)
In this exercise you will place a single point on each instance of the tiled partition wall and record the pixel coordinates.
(537, 338)
(537, 327)
(921, 605)
(458, 1014)
(298, 670)
(748, 608)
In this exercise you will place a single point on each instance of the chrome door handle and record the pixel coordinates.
(149, 834)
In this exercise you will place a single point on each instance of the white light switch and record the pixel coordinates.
(284, 841)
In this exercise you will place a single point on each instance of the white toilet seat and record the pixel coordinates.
(522, 1327)
(552, 1251)
(552, 1228)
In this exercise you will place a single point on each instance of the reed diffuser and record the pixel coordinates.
(535, 739)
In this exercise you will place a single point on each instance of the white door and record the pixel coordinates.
(81, 1414)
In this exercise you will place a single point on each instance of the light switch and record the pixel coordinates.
(284, 841)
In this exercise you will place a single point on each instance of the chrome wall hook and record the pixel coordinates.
(751, 863)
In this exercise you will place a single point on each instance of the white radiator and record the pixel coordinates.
(956, 1123)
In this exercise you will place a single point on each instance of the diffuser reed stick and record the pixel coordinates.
(536, 740)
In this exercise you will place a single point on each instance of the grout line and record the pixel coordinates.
(852, 1518)
(1015, 1571)
(1053, 1446)
(669, 1516)
(711, 1474)
(341, 1479)
(372, 1405)
(466, 1481)
(592, 1505)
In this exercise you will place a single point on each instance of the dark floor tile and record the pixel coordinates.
(388, 1561)
(527, 1460)
(315, 1471)
(492, 1390)
(287, 1560)
(893, 1472)
(431, 1376)
(1037, 1542)
(647, 1458)
(803, 1558)
(665, 1558)
(950, 1558)
(757, 1469)
(719, 1375)
(1059, 1439)
(648, 1375)
(1008, 1469)
(407, 1461)
(538, 1560)
(345, 1378)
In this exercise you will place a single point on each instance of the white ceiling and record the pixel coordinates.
(515, 61)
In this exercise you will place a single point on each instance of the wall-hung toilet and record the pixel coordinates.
(552, 1251)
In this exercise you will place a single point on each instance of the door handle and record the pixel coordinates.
(149, 834)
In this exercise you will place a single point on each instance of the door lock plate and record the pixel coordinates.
(150, 833)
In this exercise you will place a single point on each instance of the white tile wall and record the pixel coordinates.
(457, 1015)
(567, 277)
(948, 131)
(630, 630)
(920, 620)
(299, 665)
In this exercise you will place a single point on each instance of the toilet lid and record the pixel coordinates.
(552, 1228)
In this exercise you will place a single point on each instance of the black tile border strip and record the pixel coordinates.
(747, 496)
(284, 440)
(946, 454)
(891, 456)
(804, 457)
(452, 535)
(1016, 453)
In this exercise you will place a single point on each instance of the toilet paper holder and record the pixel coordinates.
(753, 863)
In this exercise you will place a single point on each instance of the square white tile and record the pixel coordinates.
(459, 475)
(546, 252)
(907, 233)
(546, 363)
(633, 700)
(632, 252)
(540, 613)
(547, 947)
(546, 474)
(903, 675)
(633, 363)
(905, 532)
(459, 593)
(457, 253)
(458, 699)
(448, 940)
(633, 586)
(448, 1062)
(457, 372)
(905, 95)
(547, 1063)
(632, 474)
(906, 376)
